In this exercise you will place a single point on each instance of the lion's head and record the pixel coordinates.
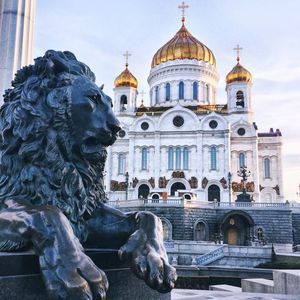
(55, 126)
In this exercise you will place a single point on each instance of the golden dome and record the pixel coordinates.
(183, 46)
(238, 73)
(126, 79)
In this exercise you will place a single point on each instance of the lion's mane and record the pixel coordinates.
(36, 160)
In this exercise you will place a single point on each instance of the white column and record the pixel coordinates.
(157, 158)
(16, 38)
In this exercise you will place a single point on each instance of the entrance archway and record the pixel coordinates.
(177, 186)
(213, 193)
(236, 227)
(143, 191)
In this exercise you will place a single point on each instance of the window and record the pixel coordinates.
(178, 158)
(121, 163)
(167, 230)
(207, 93)
(185, 158)
(181, 90)
(168, 91)
(123, 103)
(144, 158)
(242, 160)
(267, 167)
(156, 94)
(170, 158)
(213, 158)
(200, 234)
(195, 90)
(240, 99)
(260, 234)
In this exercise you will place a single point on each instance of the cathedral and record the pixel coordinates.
(186, 145)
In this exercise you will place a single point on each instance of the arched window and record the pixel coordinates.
(178, 158)
(207, 93)
(195, 90)
(240, 99)
(168, 91)
(121, 163)
(156, 94)
(260, 234)
(213, 158)
(185, 158)
(144, 158)
(181, 90)
(267, 167)
(123, 103)
(170, 158)
(200, 232)
(242, 160)
(167, 229)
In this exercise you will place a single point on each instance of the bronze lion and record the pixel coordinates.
(55, 125)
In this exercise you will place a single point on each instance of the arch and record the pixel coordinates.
(195, 90)
(123, 103)
(155, 196)
(181, 90)
(168, 91)
(214, 193)
(143, 191)
(201, 230)
(144, 161)
(267, 168)
(237, 228)
(240, 99)
(167, 229)
(177, 186)
(187, 196)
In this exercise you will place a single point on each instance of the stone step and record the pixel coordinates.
(286, 282)
(225, 288)
(258, 285)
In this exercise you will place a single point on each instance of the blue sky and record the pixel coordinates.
(99, 32)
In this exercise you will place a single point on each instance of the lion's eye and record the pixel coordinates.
(95, 98)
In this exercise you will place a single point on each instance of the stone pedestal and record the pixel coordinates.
(20, 278)
(287, 282)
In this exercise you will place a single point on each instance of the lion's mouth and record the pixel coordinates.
(93, 145)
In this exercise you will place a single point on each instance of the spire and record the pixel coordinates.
(126, 55)
(238, 49)
(183, 7)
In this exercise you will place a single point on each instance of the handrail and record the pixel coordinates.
(211, 256)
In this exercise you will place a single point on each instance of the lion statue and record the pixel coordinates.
(55, 125)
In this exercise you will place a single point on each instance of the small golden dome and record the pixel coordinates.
(183, 46)
(238, 73)
(126, 79)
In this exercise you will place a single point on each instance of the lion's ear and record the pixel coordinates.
(102, 87)
(59, 66)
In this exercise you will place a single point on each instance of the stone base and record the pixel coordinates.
(258, 285)
(26, 282)
(287, 282)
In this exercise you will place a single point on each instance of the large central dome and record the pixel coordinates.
(183, 46)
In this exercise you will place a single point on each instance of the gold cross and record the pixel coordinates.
(126, 55)
(238, 49)
(183, 7)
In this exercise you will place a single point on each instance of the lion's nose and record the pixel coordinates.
(114, 128)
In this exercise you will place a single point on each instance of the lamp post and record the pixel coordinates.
(126, 185)
(229, 186)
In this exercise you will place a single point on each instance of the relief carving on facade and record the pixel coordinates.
(238, 187)
(204, 182)
(178, 174)
(117, 186)
(193, 182)
(261, 187)
(277, 189)
(162, 182)
(135, 181)
(152, 182)
(224, 183)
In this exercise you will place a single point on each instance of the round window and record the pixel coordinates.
(122, 133)
(241, 131)
(145, 125)
(213, 124)
(178, 121)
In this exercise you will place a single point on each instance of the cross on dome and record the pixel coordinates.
(126, 55)
(183, 7)
(238, 49)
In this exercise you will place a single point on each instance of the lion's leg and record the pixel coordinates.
(67, 271)
(139, 236)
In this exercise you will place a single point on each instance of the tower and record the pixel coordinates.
(238, 87)
(125, 90)
(16, 38)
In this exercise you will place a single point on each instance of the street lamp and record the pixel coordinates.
(126, 185)
(229, 176)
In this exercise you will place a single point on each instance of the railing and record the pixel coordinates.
(251, 205)
(210, 257)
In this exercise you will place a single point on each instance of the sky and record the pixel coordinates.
(99, 32)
